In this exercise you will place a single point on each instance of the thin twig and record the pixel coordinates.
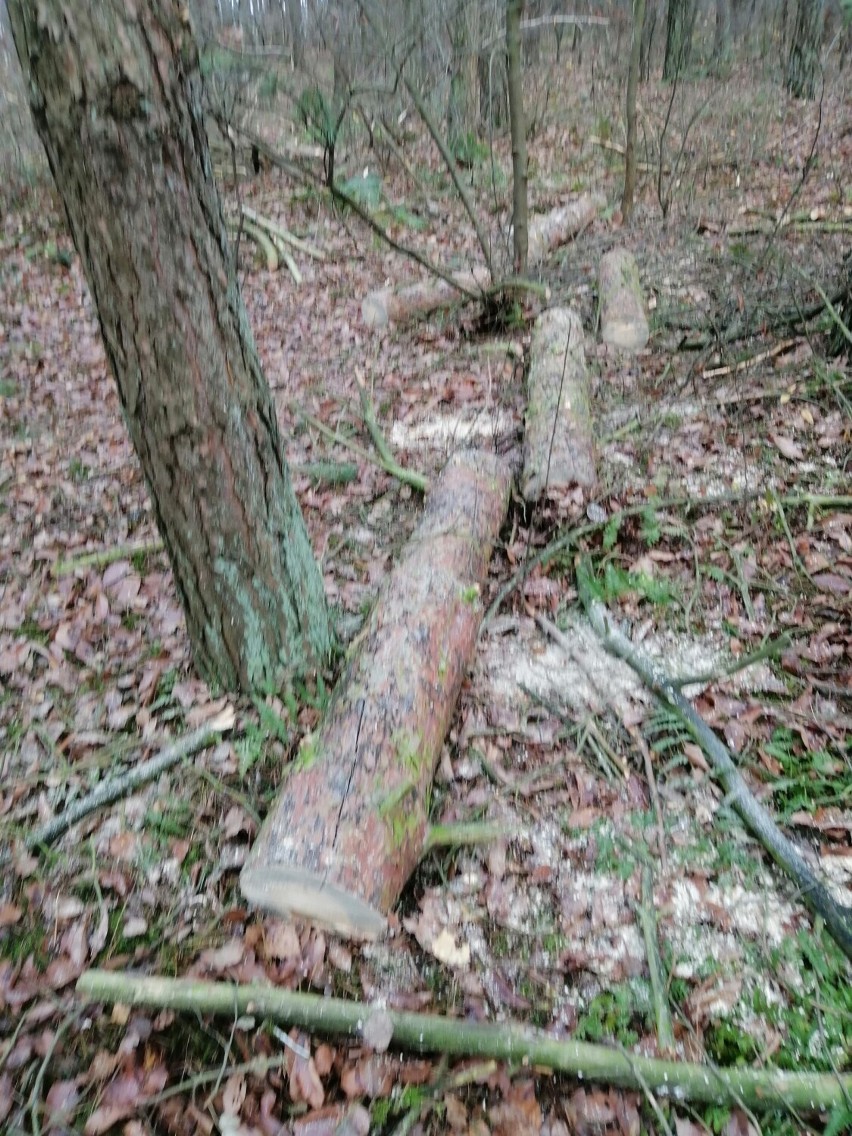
(648, 921)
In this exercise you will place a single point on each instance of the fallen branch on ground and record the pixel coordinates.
(276, 230)
(422, 482)
(814, 894)
(505, 1041)
(659, 994)
(389, 463)
(106, 556)
(114, 788)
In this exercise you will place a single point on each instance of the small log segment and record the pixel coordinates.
(350, 823)
(550, 230)
(558, 449)
(399, 304)
(623, 321)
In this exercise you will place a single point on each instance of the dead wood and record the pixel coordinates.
(114, 788)
(400, 304)
(548, 231)
(521, 1045)
(350, 824)
(814, 894)
(623, 321)
(558, 449)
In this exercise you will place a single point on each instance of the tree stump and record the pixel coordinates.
(558, 450)
(623, 321)
(348, 827)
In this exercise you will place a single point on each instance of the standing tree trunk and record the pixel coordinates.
(680, 22)
(297, 34)
(722, 33)
(463, 105)
(632, 85)
(803, 61)
(116, 96)
(520, 220)
(649, 25)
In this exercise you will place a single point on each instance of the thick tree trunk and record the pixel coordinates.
(803, 61)
(680, 22)
(116, 97)
(349, 825)
(514, 12)
(632, 86)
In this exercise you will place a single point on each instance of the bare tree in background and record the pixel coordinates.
(680, 24)
(803, 60)
(520, 240)
(632, 86)
(115, 92)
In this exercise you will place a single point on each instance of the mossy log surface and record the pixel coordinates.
(558, 449)
(623, 321)
(350, 823)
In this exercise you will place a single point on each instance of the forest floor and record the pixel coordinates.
(722, 522)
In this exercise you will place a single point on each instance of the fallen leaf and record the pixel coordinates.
(445, 950)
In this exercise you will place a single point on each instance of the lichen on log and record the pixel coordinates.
(623, 321)
(558, 450)
(350, 823)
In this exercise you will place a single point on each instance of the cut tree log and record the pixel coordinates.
(547, 231)
(558, 449)
(350, 823)
(623, 320)
(399, 304)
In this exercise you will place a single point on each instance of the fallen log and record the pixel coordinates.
(547, 231)
(399, 304)
(623, 321)
(350, 823)
(558, 449)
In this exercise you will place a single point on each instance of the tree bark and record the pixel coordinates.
(648, 26)
(463, 105)
(624, 324)
(558, 448)
(116, 96)
(632, 86)
(680, 22)
(518, 126)
(297, 34)
(349, 826)
(803, 61)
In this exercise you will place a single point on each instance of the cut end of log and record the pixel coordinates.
(297, 893)
(625, 335)
(374, 309)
